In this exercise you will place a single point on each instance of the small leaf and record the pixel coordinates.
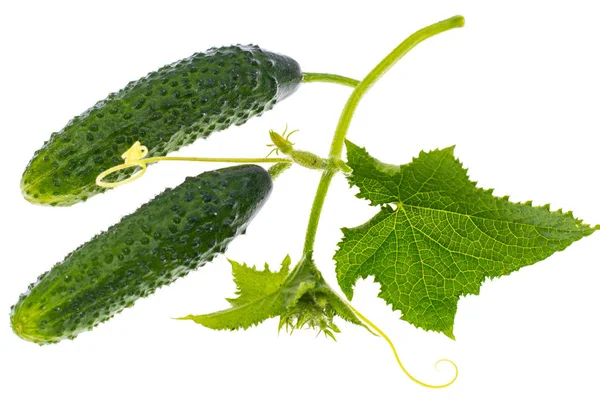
(437, 236)
(252, 284)
(258, 298)
(301, 299)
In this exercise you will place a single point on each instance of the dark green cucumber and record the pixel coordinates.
(178, 231)
(165, 110)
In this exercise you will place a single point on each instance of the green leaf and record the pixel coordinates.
(302, 299)
(437, 236)
(253, 285)
(258, 298)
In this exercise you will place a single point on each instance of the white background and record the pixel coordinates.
(517, 90)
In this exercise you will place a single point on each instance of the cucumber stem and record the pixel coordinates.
(276, 170)
(329, 78)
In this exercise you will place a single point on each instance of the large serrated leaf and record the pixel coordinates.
(437, 236)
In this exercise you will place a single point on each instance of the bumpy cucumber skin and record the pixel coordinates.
(165, 110)
(178, 231)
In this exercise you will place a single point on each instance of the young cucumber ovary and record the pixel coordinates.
(167, 109)
(176, 232)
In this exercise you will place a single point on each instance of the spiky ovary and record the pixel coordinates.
(165, 110)
(176, 232)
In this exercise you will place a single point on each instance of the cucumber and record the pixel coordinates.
(165, 110)
(178, 231)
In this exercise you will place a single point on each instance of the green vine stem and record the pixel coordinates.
(329, 78)
(337, 144)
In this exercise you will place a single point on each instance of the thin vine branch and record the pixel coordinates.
(337, 143)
